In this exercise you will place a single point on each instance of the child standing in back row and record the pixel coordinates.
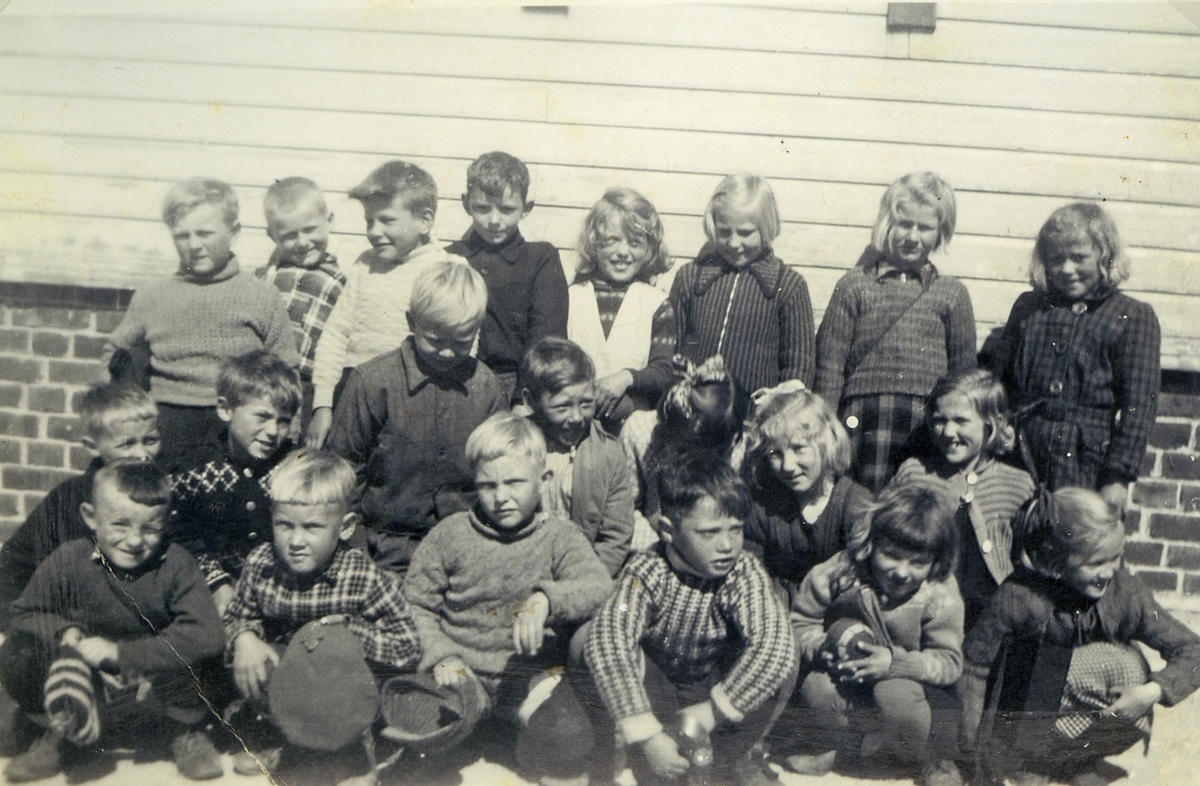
(893, 326)
(738, 300)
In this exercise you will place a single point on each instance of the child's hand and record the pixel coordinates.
(450, 672)
(529, 627)
(662, 754)
(872, 668)
(318, 428)
(610, 390)
(253, 662)
(96, 650)
(1116, 495)
(71, 637)
(221, 597)
(1134, 701)
(703, 714)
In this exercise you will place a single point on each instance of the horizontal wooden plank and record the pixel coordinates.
(1149, 17)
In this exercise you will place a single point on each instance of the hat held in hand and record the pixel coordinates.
(427, 717)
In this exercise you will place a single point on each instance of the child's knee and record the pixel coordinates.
(818, 692)
(902, 703)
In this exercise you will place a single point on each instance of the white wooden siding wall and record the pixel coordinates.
(1021, 107)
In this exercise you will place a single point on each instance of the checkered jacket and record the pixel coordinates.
(274, 603)
(310, 295)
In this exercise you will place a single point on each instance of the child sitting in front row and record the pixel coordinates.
(1053, 659)
(497, 589)
(118, 420)
(406, 415)
(371, 316)
(221, 507)
(310, 573)
(899, 587)
(625, 324)
(207, 312)
(110, 633)
(589, 478)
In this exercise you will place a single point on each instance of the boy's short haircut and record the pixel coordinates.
(185, 197)
(290, 193)
(916, 515)
(505, 434)
(492, 172)
(399, 179)
(554, 363)
(449, 295)
(116, 402)
(748, 195)
(691, 475)
(144, 482)
(1074, 222)
(312, 477)
(260, 374)
(923, 188)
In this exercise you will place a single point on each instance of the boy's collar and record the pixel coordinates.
(483, 525)
(256, 467)
(322, 575)
(231, 269)
(419, 373)
(328, 263)
(153, 561)
(475, 243)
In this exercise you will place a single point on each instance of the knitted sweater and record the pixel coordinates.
(371, 316)
(934, 337)
(689, 627)
(468, 580)
(160, 614)
(191, 325)
(926, 630)
(758, 318)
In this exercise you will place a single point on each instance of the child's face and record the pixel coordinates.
(1074, 269)
(302, 233)
(566, 416)
(443, 348)
(958, 429)
(897, 572)
(1090, 574)
(914, 235)
(394, 230)
(204, 240)
(796, 462)
(707, 540)
(127, 533)
(737, 237)
(306, 536)
(622, 257)
(495, 218)
(126, 438)
(256, 427)
(509, 489)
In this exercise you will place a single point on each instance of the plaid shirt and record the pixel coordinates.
(274, 603)
(310, 295)
(688, 627)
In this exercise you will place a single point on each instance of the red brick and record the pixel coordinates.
(9, 505)
(1181, 466)
(18, 425)
(1189, 495)
(1191, 585)
(14, 340)
(1182, 556)
(1140, 552)
(1173, 526)
(1170, 436)
(43, 399)
(1156, 494)
(1179, 405)
(44, 454)
(53, 345)
(19, 370)
(108, 321)
(51, 317)
(1133, 521)
(10, 395)
(10, 451)
(66, 429)
(77, 399)
(91, 347)
(1149, 461)
(74, 373)
(80, 458)
(1159, 580)
(30, 479)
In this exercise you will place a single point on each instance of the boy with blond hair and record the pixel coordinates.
(206, 312)
(371, 317)
(405, 416)
(527, 289)
(301, 267)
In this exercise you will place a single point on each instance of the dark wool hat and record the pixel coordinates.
(427, 717)
(322, 694)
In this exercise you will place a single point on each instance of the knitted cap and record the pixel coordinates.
(427, 717)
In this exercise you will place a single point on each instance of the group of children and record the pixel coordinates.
(632, 528)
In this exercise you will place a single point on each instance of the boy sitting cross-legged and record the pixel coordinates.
(405, 416)
(590, 481)
(496, 590)
(310, 574)
(221, 508)
(109, 633)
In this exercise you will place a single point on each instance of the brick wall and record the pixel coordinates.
(51, 338)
